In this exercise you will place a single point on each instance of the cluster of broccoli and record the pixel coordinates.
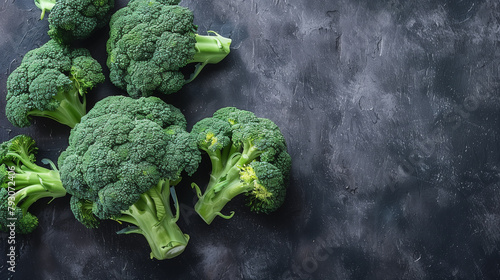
(127, 154)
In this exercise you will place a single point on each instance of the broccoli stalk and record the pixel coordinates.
(224, 185)
(52, 81)
(71, 107)
(73, 20)
(209, 49)
(24, 183)
(127, 173)
(154, 219)
(33, 183)
(236, 175)
(148, 54)
(45, 5)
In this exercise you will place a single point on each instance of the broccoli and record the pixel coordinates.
(150, 43)
(248, 156)
(51, 82)
(122, 162)
(71, 20)
(23, 183)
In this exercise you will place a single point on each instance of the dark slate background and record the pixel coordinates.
(391, 113)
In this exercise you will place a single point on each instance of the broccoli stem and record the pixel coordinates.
(155, 220)
(71, 108)
(22, 162)
(32, 183)
(225, 182)
(209, 49)
(217, 163)
(45, 5)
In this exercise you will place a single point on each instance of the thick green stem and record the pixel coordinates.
(217, 163)
(45, 5)
(209, 50)
(218, 193)
(70, 111)
(211, 203)
(155, 220)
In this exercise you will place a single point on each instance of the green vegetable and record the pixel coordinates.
(151, 41)
(71, 20)
(51, 82)
(23, 183)
(248, 156)
(122, 160)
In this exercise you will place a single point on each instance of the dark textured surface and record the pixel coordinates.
(391, 110)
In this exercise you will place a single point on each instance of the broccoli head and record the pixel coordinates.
(151, 41)
(23, 182)
(248, 156)
(51, 82)
(71, 20)
(122, 162)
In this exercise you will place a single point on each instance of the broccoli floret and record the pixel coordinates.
(71, 20)
(151, 41)
(121, 163)
(52, 82)
(248, 156)
(23, 183)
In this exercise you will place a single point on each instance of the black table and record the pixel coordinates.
(391, 112)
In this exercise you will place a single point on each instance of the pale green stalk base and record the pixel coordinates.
(153, 218)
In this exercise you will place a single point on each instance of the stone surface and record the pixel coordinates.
(391, 111)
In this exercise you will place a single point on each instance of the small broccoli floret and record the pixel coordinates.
(122, 162)
(265, 182)
(71, 20)
(248, 156)
(52, 82)
(151, 41)
(23, 183)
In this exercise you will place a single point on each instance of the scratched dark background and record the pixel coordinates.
(392, 115)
